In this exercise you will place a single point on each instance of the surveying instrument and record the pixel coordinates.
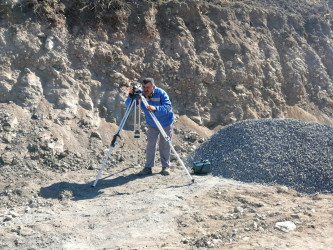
(135, 96)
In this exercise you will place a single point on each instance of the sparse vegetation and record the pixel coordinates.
(103, 5)
(56, 12)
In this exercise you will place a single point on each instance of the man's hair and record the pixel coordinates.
(149, 80)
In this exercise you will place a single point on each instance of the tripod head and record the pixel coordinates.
(136, 91)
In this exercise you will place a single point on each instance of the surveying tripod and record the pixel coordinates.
(137, 95)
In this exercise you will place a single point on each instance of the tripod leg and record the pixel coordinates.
(101, 169)
(165, 136)
(113, 143)
(137, 130)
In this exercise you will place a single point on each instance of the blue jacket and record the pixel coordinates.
(160, 100)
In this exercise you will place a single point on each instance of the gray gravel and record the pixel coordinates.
(287, 152)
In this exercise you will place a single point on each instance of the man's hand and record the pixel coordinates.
(151, 108)
(130, 92)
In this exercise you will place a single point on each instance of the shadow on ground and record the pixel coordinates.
(78, 191)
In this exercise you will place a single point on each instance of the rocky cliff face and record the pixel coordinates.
(71, 63)
(220, 61)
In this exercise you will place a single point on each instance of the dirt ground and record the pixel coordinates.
(63, 80)
(125, 211)
(56, 208)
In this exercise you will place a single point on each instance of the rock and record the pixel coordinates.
(85, 101)
(7, 218)
(96, 135)
(29, 90)
(6, 84)
(7, 158)
(10, 123)
(282, 189)
(13, 214)
(209, 244)
(7, 138)
(238, 210)
(285, 226)
(49, 44)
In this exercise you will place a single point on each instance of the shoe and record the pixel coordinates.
(145, 171)
(165, 171)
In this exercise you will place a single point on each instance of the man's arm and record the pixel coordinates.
(165, 106)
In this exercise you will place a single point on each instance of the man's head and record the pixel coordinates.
(148, 86)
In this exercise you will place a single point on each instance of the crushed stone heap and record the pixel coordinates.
(287, 152)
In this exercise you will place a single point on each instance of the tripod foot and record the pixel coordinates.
(192, 180)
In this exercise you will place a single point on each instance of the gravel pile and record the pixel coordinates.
(287, 152)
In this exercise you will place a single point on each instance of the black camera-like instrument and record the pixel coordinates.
(137, 90)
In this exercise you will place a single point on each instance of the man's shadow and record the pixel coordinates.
(86, 190)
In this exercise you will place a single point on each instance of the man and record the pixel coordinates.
(160, 104)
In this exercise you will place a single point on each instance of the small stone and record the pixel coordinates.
(96, 135)
(238, 210)
(49, 44)
(285, 226)
(7, 218)
(13, 214)
(295, 216)
(282, 189)
(209, 244)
